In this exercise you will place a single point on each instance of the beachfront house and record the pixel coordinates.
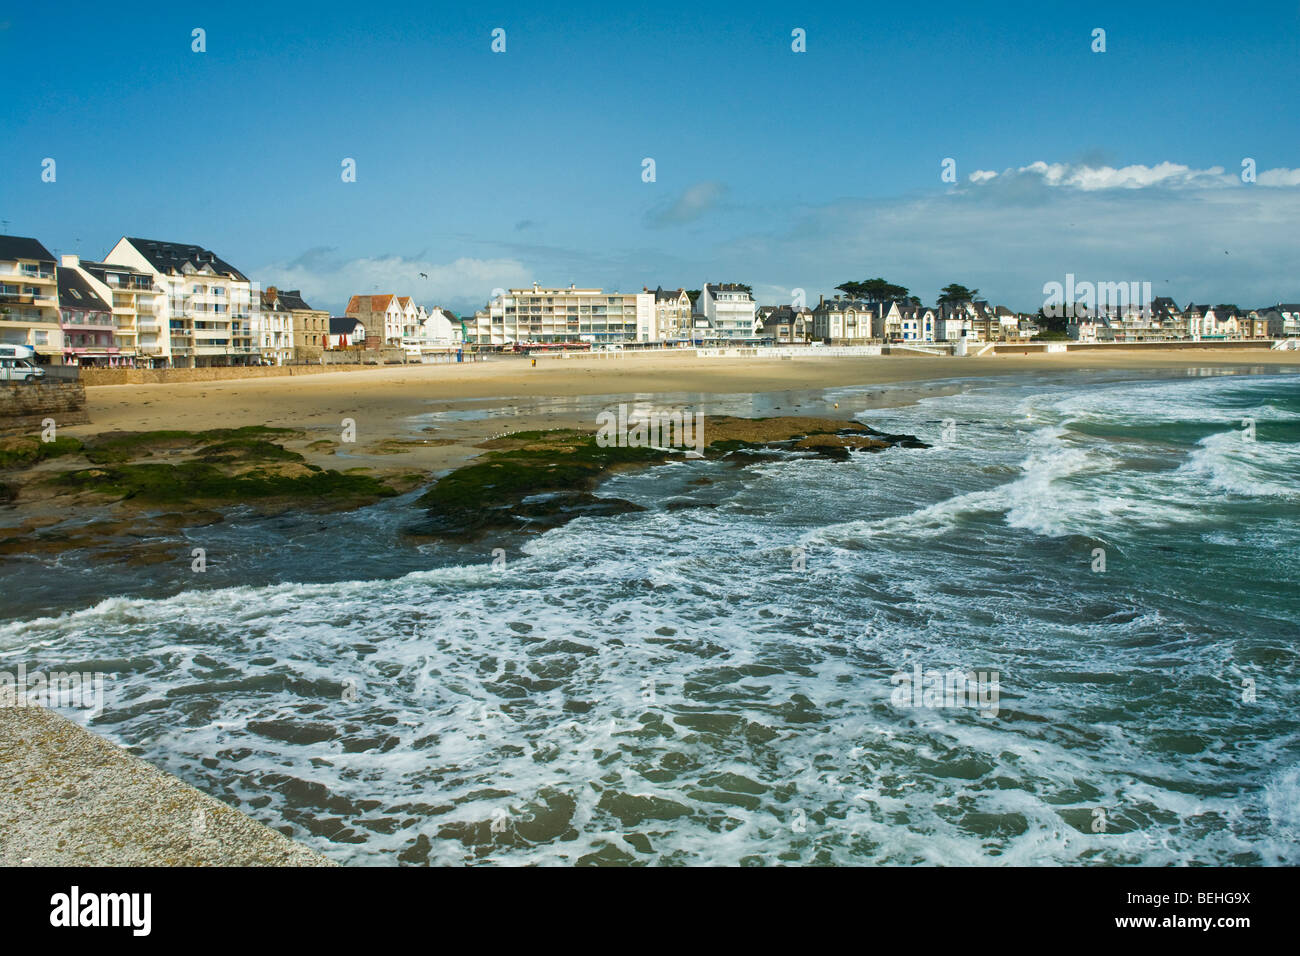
(784, 324)
(345, 332)
(307, 328)
(1282, 320)
(274, 331)
(383, 317)
(953, 321)
(729, 308)
(671, 316)
(845, 321)
(436, 329)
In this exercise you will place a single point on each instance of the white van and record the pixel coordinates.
(16, 364)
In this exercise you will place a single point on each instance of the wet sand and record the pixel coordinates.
(508, 394)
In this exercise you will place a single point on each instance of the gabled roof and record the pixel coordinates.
(286, 301)
(20, 247)
(376, 303)
(842, 304)
(171, 257)
(100, 269)
(673, 294)
(76, 293)
(344, 324)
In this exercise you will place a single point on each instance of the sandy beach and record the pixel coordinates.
(508, 394)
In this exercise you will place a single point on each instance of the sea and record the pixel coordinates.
(1064, 633)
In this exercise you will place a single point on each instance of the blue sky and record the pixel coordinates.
(780, 169)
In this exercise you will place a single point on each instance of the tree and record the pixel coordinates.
(873, 290)
(692, 294)
(956, 293)
(1221, 307)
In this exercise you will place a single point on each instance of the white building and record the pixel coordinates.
(549, 315)
(729, 308)
(436, 329)
(210, 309)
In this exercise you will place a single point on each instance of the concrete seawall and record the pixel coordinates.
(69, 797)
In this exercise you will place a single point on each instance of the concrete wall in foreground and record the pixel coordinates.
(23, 407)
(68, 797)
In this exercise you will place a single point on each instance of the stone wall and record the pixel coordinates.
(23, 407)
(175, 376)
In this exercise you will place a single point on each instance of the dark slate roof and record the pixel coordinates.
(286, 300)
(343, 324)
(292, 300)
(724, 287)
(172, 256)
(661, 294)
(840, 304)
(269, 304)
(76, 293)
(99, 269)
(20, 247)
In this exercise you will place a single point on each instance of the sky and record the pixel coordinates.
(784, 170)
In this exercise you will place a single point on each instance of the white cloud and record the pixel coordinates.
(328, 281)
(694, 202)
(1193, 233)
(1166, 174)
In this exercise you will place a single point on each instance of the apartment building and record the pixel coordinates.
(210, 309)
(29, 298)
(547, 315)
(86, 323)
(131, 293)
(729, 308)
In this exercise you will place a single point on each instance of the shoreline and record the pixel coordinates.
(388, 403)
